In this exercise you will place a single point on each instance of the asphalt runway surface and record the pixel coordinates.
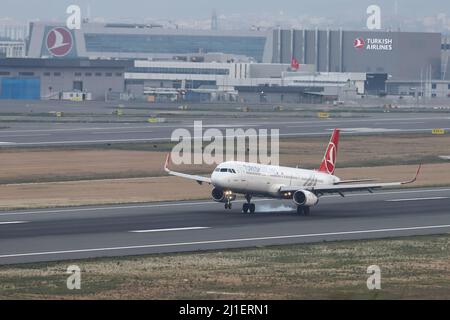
(140, 229)
(62, 134)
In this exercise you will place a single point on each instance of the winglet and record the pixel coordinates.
(166, 165)
(415, 178)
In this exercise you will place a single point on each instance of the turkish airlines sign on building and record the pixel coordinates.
(374, 44)
(59, 42)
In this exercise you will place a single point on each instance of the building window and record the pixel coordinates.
(26, 74)
(449, 86)
(5, 73)
(434, 86)
(175, 44)
(118, 74)
(78, 74)
(108, 74)
(57, 74)
(434, 95)
(98, 74)
(88, 74)
(78, 86)
(47, 74)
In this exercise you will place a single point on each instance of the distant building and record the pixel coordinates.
(401, 55)
(12, 49)
(54, 79)
(13, 31)
(140, 41)
(446, 57)
(248, 82)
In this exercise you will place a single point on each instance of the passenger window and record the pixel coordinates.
(223, 170)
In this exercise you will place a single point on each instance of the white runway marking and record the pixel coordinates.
(184, 244)
(23, 136)
(13, 222)
(368, 130)
(170, 230)
(418, 199)
(118, 132)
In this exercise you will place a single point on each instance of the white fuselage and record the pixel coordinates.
(264, 180)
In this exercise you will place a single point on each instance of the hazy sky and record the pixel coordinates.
(143, 9)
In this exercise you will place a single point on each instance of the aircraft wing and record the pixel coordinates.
(344, 188)
(199, 179)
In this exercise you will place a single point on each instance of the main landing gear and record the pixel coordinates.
(228, 205)
(249, 206)
(301, 210)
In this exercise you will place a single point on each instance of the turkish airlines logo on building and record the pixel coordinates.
(359, 43)
(374, 44)
(59, 42)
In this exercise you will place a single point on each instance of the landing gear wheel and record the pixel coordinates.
(306, 211)
(252, 208)
(245, 208)
(228, 206)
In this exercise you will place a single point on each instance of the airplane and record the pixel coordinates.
(303, 187)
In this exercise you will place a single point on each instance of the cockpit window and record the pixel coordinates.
(226, 170)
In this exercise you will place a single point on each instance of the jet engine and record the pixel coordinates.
(305, 198)
(219, 195)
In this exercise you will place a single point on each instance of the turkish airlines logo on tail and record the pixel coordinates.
(359, 43)
(59, 42)
(330, 158)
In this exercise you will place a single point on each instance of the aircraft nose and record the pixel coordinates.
(217, 179)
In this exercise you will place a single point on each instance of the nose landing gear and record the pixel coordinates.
(249, 207)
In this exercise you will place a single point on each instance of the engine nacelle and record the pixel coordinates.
(305, 198)
(219, 195)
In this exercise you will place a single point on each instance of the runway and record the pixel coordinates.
(111, 231)
(70, 134)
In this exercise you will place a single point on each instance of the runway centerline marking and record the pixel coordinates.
(418, 199)
(170, 230)
(13, 222)
(203, 203)
(119, 132)
(184, 244)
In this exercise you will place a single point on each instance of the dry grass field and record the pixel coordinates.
(411, 268)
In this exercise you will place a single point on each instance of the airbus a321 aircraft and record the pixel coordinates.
(303, 187)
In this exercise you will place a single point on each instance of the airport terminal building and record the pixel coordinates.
(137, 61)
(403, 55)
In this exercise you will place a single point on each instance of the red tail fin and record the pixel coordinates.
(328, 164)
